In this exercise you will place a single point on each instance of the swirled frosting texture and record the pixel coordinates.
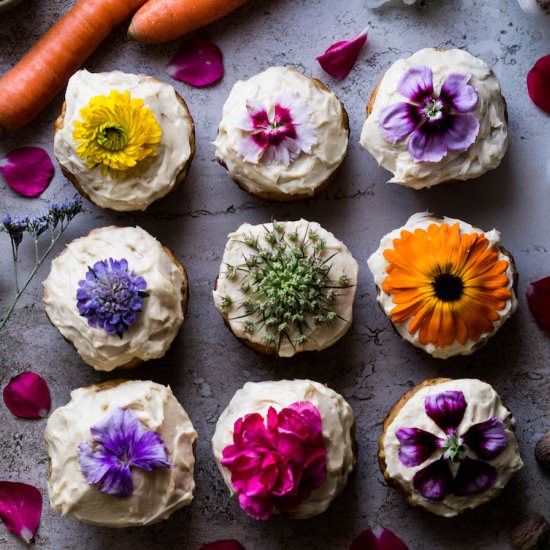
(136, 191)
(156, 325)
(157, 493)
(486, 152)
(338, 422)
(483, 403)
(307, 172)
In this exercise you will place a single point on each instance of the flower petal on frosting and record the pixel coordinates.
(487, 439)
(20, 508)
(538, 298)
(378, 538)
(416, 445)
(538, 83)
(27, 395)
(446, 409)
(435, 481)
(223, 545)
(28, 170)
(458, 94)
(473, 477)
(149, 452)
(416, 84)
(426, 145)
(339, 59)
(398, 120)
(461, 132)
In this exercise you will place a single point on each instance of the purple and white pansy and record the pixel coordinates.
(462, 465)
(277, 133)
(434, 124)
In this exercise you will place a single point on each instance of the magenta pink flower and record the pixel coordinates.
(538, 298)
(340, 58)
(27, 395)
(277, 464)
(435, 125)
(538, 83)
(278, 133)
(28, 170)
(378, 538)
(20, 508)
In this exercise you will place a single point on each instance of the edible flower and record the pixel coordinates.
(339, 59)
(119, 444)
(538, 83)
(27, 170)
(447, 285)
(484, 440)
(117, 133)
(276, 464)
(198, 62)
(378, 538)
(27, 395)
(276, 133)
(434, 124)
(223, 545)
(110, 296)
(538, 298)
(20, 508)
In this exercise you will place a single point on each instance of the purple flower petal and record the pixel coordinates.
(378, 538)
(28, 170)
(446, 409)
(538, 299)
(340, 58)
(427, 146)
(27, 395)
(416, 84)
(20, 508)
(198, 62)
(473, 477)
(398, 120)
(461, 132)
(416, 445)
(435, 481)
(487, 439)
(458, 94)
(223, 545)
(149, 452)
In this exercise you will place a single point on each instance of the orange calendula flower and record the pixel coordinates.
(450, 286)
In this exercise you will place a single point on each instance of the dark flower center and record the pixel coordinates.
(447, 287)
(454, 449)
(112, 136)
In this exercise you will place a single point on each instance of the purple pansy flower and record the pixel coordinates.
(278, 133)
(434, 124)
(120, 443)
(111, 297)
(485, 440)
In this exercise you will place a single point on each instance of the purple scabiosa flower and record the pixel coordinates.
(119, 444)
(110, 296)
(434, 124)
(486, 440)
(278, 133)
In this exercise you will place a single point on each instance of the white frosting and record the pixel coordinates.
(134, 191)
(318, 336)
(485, 153)
(338, 423)
(307, 172)
(158, 322)
(378, 266)
(157, 493)
(482, 403)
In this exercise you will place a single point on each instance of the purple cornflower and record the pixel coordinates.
(120, 443)
(434, 124)
(485, 440)
(111, 297)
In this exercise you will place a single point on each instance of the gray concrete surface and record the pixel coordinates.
(371, 366)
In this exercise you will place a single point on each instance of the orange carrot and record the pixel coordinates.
(27, 88)
(163, 20)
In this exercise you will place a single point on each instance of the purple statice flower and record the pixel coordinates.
(278, 133)
(434, 124)
(110, 296)
(119, 444)
(14, 227)
(472, 450)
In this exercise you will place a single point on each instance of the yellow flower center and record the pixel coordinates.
(112, 136)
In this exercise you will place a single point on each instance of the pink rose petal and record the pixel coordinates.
(378, 538)
(538, 298)
(340, 58)
(223, 545)
(27, 395)
(538, 83)
(20, 508)
(198, 62)
(28, 170)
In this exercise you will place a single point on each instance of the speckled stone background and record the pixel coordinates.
(370, 366)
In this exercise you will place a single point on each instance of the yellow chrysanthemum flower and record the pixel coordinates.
(117, 133)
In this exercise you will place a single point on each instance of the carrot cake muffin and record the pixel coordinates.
(121, 454)
(286, 287)
(124, 140)
(118, 296)
(285, 447)
(445, 285)
(437, 116)
(449, 445)
(282, 135)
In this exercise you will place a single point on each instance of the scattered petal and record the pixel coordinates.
(473, 477)
(538, 298)
(487, 439)
(446, 409)
(538, 83)
(28, 170)
(198, 62)
(340, 58)
(435, 481)
(223, 545)
(378, 538)
(416, 445)
(20, 508)
(27, 395)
